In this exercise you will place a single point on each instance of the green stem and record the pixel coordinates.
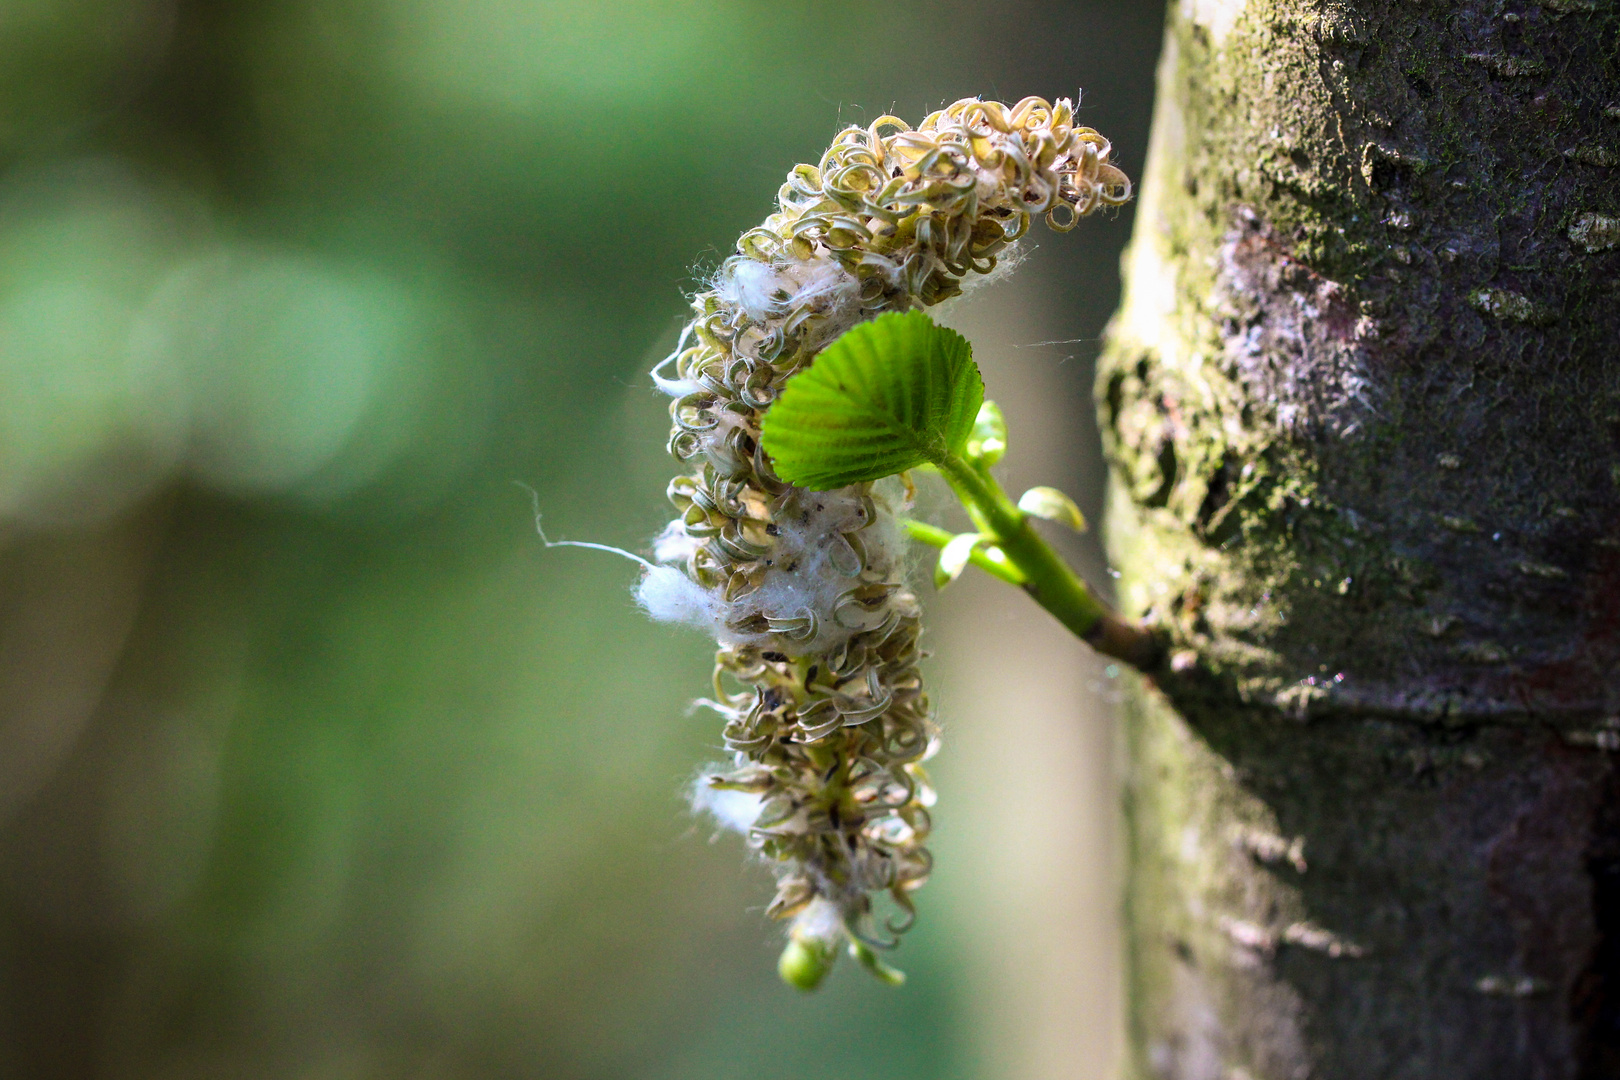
(993, 561)
(1046, 577)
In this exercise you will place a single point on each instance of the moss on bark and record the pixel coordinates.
(1363, 404)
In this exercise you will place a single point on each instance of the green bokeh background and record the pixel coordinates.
(313, 762)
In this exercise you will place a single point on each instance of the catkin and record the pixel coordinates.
(817, 673)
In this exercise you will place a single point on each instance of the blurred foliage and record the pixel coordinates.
(313, 763)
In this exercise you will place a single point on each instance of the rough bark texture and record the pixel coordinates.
(1363, 403)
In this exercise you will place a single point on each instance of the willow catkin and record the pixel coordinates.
(816, 675)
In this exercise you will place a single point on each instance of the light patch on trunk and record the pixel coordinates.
(1593, 233)
(1147, 312)
(1217, 16)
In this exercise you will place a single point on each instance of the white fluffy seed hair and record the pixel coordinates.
(765, 291)
(820, 921)
(734, 811)
(813, 566)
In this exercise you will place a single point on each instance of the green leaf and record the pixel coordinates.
(889, 395)
(954, 556)
(1053, 505)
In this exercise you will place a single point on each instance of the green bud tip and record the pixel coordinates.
(870, 960)
(804, 964)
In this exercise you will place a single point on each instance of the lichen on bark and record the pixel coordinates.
(1363, 405)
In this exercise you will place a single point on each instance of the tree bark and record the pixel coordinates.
(1362, 402)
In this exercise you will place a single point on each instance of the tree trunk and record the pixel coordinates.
(1363, 405)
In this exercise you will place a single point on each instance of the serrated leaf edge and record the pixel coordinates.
(864, 348)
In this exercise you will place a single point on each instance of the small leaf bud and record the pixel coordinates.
(988, 443)
(1052, 505)
(953, 558)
